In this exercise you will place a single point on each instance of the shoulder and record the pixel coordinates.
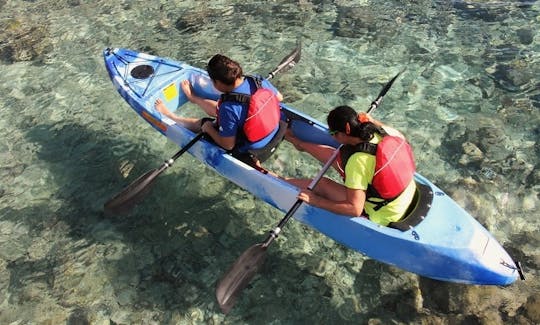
(244, 88)
(360, 161)
(391, 131)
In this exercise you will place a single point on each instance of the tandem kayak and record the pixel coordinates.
(437, 239)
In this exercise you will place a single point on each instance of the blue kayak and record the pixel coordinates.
(437, 239)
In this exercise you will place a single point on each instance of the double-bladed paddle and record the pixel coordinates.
(248, 264)
(124, 201)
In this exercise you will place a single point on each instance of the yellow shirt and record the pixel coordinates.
(359, 174)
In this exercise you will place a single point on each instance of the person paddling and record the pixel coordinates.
(248, 114)
(376, 163)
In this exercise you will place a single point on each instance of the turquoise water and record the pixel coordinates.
(469, 102)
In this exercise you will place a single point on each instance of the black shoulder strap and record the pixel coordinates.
(242, 98)
(257, 80)
(367, 147)
(382, 131)
(347, 151)
(235, 97)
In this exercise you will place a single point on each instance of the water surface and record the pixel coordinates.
(469, 102)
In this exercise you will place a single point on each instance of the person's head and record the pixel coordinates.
(221, 68)
(345, 119)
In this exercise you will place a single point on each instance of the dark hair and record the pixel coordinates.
(341, 115)
(224, 69)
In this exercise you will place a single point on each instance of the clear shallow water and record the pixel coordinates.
(469, 101)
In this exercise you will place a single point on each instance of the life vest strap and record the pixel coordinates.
(262, 154)
(242, 98)
(378, 204)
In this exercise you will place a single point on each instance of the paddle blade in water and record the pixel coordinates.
(124, 201)
(239, 276)
(291, 60)
(288, 62)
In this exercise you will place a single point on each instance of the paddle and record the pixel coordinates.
(124, 201)
(248, 264)
(378, 100)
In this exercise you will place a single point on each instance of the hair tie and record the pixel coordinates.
(363, 117)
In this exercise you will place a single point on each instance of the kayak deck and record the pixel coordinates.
(438, 240)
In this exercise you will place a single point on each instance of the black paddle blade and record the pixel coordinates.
(389, 84)
(123, 202)
(288, 62)
(239, 276)
(383, 92)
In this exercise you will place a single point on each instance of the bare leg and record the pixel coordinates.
(320, 152)
(207, 105)
(326, 188)
(188, 122)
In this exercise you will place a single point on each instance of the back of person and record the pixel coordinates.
(385, 173)
(250, 129)
(251, 112)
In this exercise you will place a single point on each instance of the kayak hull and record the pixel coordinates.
(447, 244)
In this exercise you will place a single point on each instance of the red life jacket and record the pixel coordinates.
(394, 166)
(263, 113)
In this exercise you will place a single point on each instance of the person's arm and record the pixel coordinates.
(226, 143)
(279, 96)
(388, 129)
(267, 84)
(209, 106)
(353, 205)
(348, 199)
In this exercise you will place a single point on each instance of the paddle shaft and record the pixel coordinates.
(288, 62)
(275, 232)
(168, 163)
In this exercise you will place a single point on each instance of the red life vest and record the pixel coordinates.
(263, 113)
(394, 165)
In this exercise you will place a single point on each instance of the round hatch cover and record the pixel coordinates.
(142, 71)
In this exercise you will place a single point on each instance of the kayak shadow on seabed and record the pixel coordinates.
(165, 255)
(124, 264)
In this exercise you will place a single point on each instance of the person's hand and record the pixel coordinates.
(186, 88)
(364, 117)
(306, 196)
(206, 124)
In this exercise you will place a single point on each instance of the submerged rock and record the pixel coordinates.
(532, 308)
(23, 41)
(525, 35)
(355, 22)
(512, 77)
(78, 317)
(472, 154)
(476, 10)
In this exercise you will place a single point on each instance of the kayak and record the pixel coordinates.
(436, 239)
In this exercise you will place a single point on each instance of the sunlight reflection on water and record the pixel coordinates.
(69, 142)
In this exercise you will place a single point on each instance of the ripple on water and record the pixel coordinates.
(467, 102)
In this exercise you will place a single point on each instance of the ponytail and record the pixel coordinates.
(359, 125)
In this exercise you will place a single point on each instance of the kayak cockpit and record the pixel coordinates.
(418, 210)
